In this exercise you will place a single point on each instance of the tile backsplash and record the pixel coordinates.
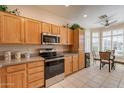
(31, 48)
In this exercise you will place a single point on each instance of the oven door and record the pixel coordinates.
(54, 71)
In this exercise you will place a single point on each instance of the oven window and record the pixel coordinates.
(54, 68)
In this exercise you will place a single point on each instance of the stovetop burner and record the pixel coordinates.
(50, 55)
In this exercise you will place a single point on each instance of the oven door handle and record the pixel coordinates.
(54, 59)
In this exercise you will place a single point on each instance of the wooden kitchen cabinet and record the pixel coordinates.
(35, 74)
(78, 44)
(75, 63)
(16, 76)
(1, 26)
(68, 65)
(32, 31)
(2, 78)
(46, 27)
(81, 60)
(11, 29)
(63, 36)
(55, 30)
(70, 37)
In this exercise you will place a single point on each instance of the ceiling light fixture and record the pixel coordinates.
(85, 15)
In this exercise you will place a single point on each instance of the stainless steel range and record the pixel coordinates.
(54, 66)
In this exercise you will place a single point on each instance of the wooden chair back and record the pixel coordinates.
(105, 55)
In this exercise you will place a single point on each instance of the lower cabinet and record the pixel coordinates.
(16, 79)
(35, 74)
(2, 77)
(81, 60)
(75, 63)
(68, 65)
(28, 75)
(16, 76)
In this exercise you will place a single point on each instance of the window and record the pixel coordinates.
(106, 41)
(95, 41)
(117, 41)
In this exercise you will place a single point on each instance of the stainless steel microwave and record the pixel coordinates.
(50, 38)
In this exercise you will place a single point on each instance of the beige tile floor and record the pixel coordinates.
(92, 77)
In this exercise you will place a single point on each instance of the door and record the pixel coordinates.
(75, 63)
(68, 65)
(16, 79)
(55, 30)
(63, 35)
(70, 37)
(12, 29)
(32, 31)
(46, 28)
(81, 60)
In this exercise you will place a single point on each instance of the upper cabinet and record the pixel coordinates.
(63, 35)
(12, 28)
(0, 25)
(78, 41)
(55, 29)
(32, 31)
(46, 28)
(70, 37)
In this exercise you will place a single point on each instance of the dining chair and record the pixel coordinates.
(113, 59)
(95, 57)
(105, 59)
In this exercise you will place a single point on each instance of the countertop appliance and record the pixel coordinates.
(54, 66)
(50, 38)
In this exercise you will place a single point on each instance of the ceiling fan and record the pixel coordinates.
(106, 20)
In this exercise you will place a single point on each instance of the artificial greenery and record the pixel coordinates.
(76, 26)
(3, 8)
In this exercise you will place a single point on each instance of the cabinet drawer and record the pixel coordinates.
(36, 84)
(35, 70)
(35, 64)
(16, 68)
(36, 76)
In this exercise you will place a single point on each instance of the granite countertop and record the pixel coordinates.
(21, 61)
(70, 53)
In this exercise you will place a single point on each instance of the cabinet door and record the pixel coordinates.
(70, 37)
(12, 29)
(63, 35)
(0, 78)
(32, 31)
(3, 78)
(16, 79)
(55, 30)
(68, 65)
(81, 60)
(75, 63)
(46, 28)
(1, 21)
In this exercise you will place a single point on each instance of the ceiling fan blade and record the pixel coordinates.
(113, 22)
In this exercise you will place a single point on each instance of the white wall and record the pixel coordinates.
(32, 11)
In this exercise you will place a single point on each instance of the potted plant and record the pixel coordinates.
(76, 26)
(3, 8)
